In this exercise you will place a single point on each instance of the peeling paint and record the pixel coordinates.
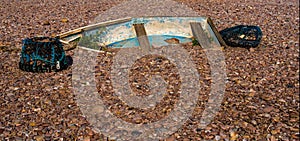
(155, 26)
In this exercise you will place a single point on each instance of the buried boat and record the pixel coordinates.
(144, 31)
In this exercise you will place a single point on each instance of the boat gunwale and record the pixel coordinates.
(111, 22)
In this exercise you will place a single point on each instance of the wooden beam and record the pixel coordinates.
(106, 23)
(200, 35)
(142, 36)
(71, 32)
(93, 26)
(218, 35)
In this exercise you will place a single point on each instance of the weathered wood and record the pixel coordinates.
(142, 36)
(107, 23)
(200, 35)
(71, 32)
(93, 26)
(64, 42)
(218, 35)
(74, 38)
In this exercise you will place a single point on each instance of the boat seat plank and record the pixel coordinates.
(142, 36)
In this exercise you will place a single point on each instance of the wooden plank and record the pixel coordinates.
(200, 35)
(64, 42)
(107, 23)
(93, 26)
(218, 35)
(142, 36)
(72, 32)
(74, 38)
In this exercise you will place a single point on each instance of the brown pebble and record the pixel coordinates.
(172, 41)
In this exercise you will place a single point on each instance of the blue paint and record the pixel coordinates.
(156, 40)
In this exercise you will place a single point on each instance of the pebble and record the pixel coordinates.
(217, 137)
(39, 138)
(268, 109)
(171, 138)
(19, 21)
(136, 133)
(64, 20)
